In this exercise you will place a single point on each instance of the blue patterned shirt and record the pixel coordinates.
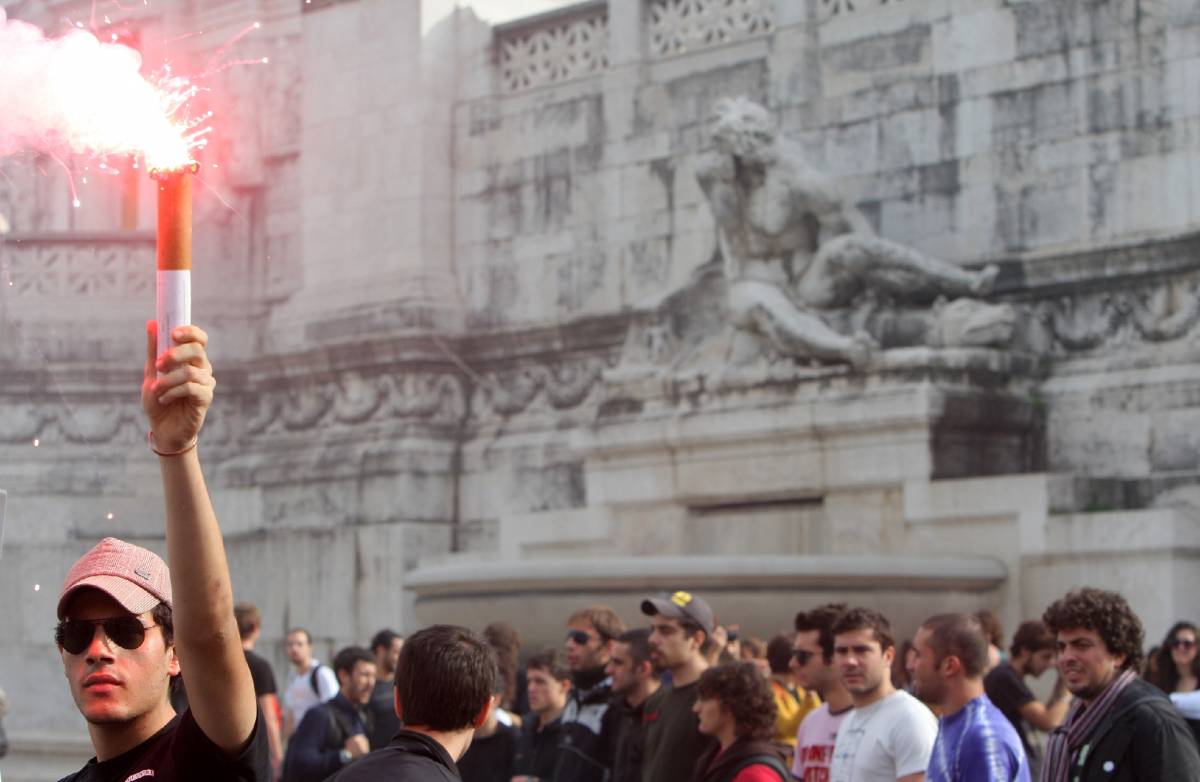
(977, 744)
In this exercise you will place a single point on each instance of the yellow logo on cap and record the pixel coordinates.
(681, 599)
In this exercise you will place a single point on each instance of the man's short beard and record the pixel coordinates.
(109, 721)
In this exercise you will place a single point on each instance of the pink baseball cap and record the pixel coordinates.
(135, 577)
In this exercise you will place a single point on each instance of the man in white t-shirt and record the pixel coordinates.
(889, 735)
(309, 683)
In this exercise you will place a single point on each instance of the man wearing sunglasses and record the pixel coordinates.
(812, 667)
(128, 625)
(589, 725)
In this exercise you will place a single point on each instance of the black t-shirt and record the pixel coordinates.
(261, 673)
(490, 759)
(180, 752)
(672, 738)
(1007, 689)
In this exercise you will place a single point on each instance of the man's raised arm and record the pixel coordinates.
(220, 690)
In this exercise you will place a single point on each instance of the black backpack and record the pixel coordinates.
(312, 680)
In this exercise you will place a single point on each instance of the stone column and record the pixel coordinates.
(376, 176)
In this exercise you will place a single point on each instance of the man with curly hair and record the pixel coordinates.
(1121, 727)
(735, 706)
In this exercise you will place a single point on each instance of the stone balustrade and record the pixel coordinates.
(104, 265)
(681, 26)
(574, 42)
(553, 47)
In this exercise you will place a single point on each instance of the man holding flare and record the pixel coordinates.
(128, 624)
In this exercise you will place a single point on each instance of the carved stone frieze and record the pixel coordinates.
(59, 420)
(681, 26)
(1155, 310)
(507, 392)
(355, 398)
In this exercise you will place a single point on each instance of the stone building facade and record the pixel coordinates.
(468, 317)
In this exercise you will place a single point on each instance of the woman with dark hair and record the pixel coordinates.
(1177, 666)
(735, 706)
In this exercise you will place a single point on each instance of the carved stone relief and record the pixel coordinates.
(562, 386)
(355, 398)
(1157, 310)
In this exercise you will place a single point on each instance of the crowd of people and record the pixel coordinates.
(836, 698)
(161, 665)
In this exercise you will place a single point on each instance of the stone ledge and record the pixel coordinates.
(37, 756)
(706, 573)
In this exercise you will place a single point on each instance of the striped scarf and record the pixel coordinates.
(1066, 740)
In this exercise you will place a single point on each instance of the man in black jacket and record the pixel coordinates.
(1121, 728)
(444, 686)
(548, 683)
(588, 724)
(335, 732)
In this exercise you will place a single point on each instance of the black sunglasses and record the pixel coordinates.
(1183, 643)
(75, 635)
(802, 656)
(579, 637)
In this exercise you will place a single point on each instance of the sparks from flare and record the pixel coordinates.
(90, 99)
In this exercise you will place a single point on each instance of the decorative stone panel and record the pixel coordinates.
(555, 49)
(680, 26)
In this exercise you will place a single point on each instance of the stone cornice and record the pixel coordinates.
(705, 574)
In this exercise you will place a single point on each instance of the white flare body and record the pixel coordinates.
(174, 303)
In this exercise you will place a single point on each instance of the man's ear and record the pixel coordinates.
(396, 704)
(172, 661)
(482, 716)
